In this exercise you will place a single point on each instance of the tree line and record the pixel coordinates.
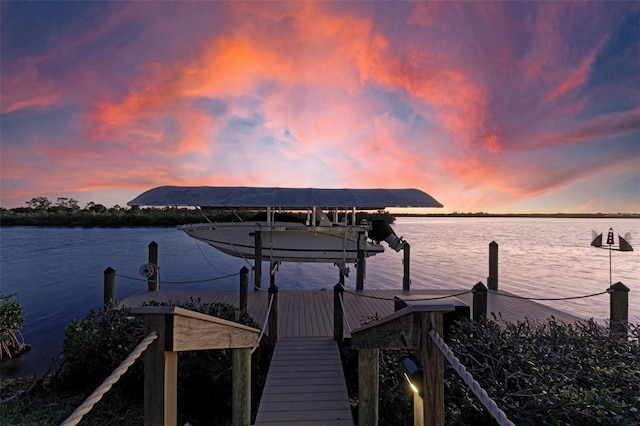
(40, 211)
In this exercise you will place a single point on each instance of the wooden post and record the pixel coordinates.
(361, 263)
(109, 286)
(257, 267)
(418, 410)
(160, 377)
(368, 386)
(492, 281)
(274, 320)
(619, 309)
(432, 362)
(244, 289)
(152, 282)
(406, 277)
(183, 330)
(409, 328)
(338, 315)
(241, 400)
(479, 301)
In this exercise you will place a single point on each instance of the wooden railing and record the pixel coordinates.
(184, 330)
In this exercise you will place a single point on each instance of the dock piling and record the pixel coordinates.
(619, 309)
(406, 261)
(479, 301)
(492, 280)
(152, 282)
(361, 265)
(244, 289)
(109, 286)
(257, 264)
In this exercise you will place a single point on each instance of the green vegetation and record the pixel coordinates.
(66, 212)
(550, 373)
(11, 321)
(95, 345)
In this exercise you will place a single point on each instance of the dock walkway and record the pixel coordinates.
(305, 385)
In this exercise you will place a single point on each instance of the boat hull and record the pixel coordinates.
(285, 241)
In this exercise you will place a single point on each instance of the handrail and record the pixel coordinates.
(514, 296)
(264, 324)
(475, 387)
(180, 282)
(344, 314)
(97, 395)
(415, 300)
(470, 291)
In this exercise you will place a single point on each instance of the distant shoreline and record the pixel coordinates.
(75, 217)
(528, 215)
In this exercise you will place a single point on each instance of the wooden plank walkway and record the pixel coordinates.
(305, 385)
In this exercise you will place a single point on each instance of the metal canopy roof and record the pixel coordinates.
(251, 197)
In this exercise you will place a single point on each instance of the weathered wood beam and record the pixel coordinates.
(191, 331)
(432, 362)
(160, 377)
(368, 386)
(398, 330)
(241, 401)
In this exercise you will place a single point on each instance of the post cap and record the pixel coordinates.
(619, 287)
(480, 287)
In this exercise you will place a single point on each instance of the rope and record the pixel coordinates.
(344, 314)
(413, 300)
(471, 291)
(97, 395)
(231, 244)
(180, 282)
(475, 387)
(225, 237)
(552, 298)
(197, 242)
(264, 326)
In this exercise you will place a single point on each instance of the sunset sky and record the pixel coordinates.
(487, 106)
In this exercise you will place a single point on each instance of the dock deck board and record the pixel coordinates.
(306, 384)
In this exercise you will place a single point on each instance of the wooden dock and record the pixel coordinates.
(305, 382)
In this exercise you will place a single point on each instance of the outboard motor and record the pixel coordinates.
(381, 231)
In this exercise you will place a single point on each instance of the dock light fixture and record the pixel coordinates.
(413, 373)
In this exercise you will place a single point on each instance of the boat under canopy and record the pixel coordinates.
(316, 239)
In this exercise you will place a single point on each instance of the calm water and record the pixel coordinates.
(58, 272)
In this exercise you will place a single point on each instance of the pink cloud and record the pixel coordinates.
(579, 75)
(28, 87)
